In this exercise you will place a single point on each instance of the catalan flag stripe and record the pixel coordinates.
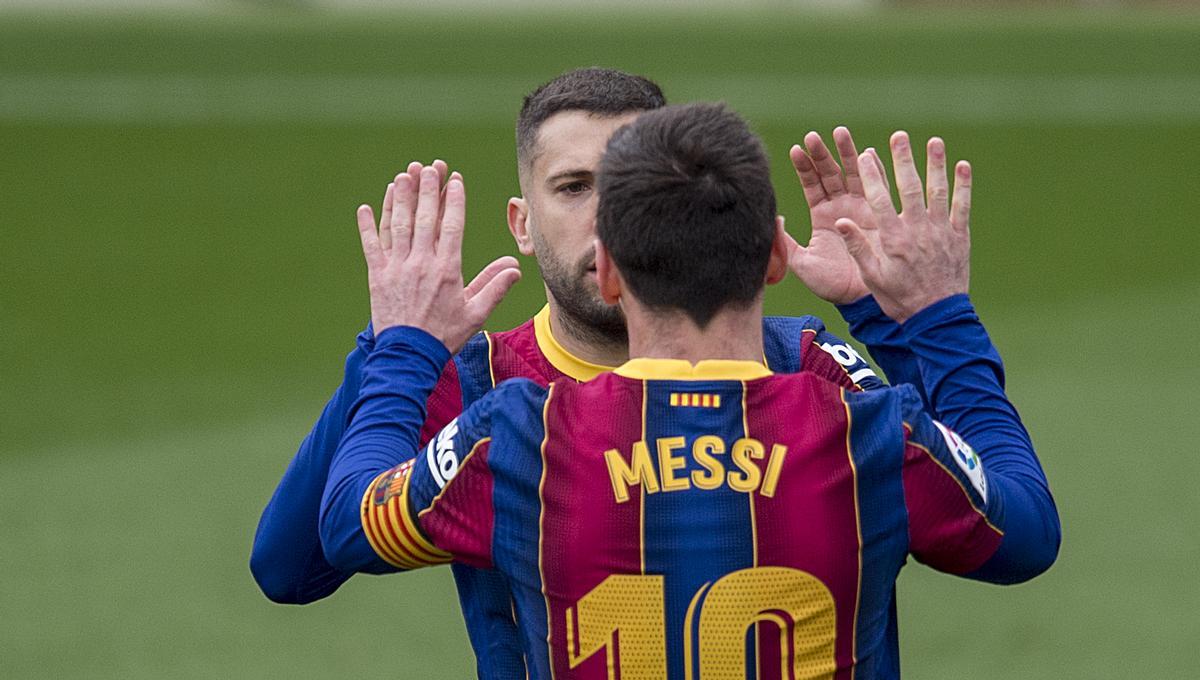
(391, 532)
(379, 542)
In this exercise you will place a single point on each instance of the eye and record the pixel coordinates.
(574, 188)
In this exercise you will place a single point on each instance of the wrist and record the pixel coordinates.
(414, 338)
(938, 312)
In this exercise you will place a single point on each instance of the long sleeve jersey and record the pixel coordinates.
(678, 507)
(287, 559)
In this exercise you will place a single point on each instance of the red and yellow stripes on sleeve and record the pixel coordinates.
(391, 531)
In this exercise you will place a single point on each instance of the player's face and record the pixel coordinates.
(555, 220)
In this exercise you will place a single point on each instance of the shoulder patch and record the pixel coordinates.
(966, 458)
(850, 359)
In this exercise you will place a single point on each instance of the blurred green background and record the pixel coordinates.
(181, 279)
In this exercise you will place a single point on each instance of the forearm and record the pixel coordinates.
(963, 377)
(383, 431)
(287, 560)
(884, 340)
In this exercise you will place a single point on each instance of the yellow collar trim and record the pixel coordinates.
(558, 356)
(679, 369)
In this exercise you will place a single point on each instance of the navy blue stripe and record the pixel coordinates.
(693, 536)
(877, 449)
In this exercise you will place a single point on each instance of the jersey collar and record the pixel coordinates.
(679, 369)
(558, 356)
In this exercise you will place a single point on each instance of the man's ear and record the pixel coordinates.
(518, 224)
(777, 265)
(607, 275)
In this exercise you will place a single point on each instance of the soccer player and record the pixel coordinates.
(693, 514)
(561, 133)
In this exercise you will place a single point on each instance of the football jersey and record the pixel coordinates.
(288, 559)
(715, 521)
(671, 522)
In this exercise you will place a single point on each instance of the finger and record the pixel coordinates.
(960, 208)
(441, 177)
(488, 273)
(797, 255)
(428, 206)
(385, 219)
(372, 251)
(849, 157)
(453, 221)
(875, 187)
(827, 167)
(937, 192)
(908, 181)
(414, 171)
(403, 203)
(440, 167)
(860, 248)
(480, 306)
(810, 181)
(882, 170)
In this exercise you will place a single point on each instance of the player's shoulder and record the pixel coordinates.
(802, 343)
(783, 337)
(888, 407)
(513, 396)
(489, 358)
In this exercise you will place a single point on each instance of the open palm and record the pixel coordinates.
(832, 192)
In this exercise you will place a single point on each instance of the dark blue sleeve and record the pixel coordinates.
(964, 377)
(384, 430)
(287, 560)
(885, 342)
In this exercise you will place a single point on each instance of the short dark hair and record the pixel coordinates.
(687, 210)
(599, 91)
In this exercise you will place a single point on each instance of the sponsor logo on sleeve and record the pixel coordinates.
(443, 461)
(968, 461)
(850, 360)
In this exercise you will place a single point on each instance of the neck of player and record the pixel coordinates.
(734, 334)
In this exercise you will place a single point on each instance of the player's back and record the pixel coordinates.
(715, 521)
(707, 522)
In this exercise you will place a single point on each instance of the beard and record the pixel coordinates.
(585, 315)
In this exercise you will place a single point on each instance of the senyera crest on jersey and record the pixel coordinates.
(440, 454)
(968, 461)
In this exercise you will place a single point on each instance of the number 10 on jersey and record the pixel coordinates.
(624, 616)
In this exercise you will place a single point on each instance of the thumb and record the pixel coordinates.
(480, 305)
(859, 247)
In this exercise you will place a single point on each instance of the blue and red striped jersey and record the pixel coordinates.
(289, 560)
(715, 521)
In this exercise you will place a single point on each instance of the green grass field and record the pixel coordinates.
(180, 280)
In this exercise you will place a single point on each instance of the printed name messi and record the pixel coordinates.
(708, 451)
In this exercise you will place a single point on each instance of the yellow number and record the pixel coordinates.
(625, 609)
(795, 601)
(630, 609)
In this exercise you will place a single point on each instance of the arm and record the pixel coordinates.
(415, 282)
(964, 376)
(987, 516)
(287, 560)
(916, 265)
(379, 447)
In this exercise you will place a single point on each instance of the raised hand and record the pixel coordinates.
(832, 192)
(921, 255)
(415, 271)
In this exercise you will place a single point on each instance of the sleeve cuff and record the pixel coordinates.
(414, 339)
(946, 309)
(366, 339)
(863, 309)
